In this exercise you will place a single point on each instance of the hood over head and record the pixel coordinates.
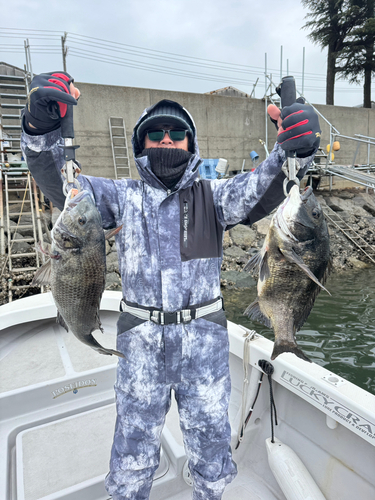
(165, 111)
(168, 112)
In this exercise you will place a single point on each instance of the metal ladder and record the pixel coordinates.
(119, 145)
(350, 233)
(25, 188)
(13, 90)
(16, 186)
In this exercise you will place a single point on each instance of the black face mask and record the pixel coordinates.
(168, 164)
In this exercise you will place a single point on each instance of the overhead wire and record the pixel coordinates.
(169, 59)
(75, 39)
(26, 30)
(244, 68)
(146, 52)
(161, 70)
(167, 54)
(143, 65)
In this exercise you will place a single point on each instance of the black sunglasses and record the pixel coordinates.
(158, 135)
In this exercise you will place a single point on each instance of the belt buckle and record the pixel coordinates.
(186, 315)
(170, 318)
(155, 317)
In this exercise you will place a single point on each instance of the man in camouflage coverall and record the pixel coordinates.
(170, 254)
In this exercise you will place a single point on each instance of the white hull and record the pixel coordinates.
(57, 416)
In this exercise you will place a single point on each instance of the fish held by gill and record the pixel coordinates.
(294, 264)
(77, 268)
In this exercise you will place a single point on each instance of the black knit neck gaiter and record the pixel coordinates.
(168, 164)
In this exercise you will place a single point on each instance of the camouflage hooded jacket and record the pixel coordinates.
(170, 247)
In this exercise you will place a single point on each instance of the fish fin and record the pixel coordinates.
(254, 312)
(307, 310)
(45, 248)
(328, 269)
(112, 232)
(291, 256)
(98, 324)
(60, 320)
(43, 275)
(264, 270)
(94, 344)
(253, 262)
(310, 302)
(259, 260)
(280, 347)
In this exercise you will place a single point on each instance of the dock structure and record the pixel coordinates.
(20, 212)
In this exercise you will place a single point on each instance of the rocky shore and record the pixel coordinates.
(353, 205)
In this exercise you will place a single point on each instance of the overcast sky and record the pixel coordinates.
(171, 36)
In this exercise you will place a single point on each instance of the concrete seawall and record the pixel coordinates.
(228, 127)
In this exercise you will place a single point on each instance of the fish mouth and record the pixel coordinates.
(306, 193)
(67, 238)
(71, 203)
(282, 223)
(294, 196)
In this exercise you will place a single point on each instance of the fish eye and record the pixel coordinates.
(315, 213)
(82, 220)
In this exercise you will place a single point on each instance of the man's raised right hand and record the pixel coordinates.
(47, 101)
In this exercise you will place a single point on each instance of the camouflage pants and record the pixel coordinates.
(193, 360)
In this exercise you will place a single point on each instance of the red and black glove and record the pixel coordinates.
(299, 129)
(47, 101)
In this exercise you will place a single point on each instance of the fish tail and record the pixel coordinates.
(94, 344)
(110, 352)
(285, 346)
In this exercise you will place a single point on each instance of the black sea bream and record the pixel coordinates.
(77, 268)
(294, 263)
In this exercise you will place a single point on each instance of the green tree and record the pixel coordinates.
(357, 60)
(330, 23)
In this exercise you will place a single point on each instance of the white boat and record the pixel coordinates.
(57, 418)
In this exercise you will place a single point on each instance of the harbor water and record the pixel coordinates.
(339, 334)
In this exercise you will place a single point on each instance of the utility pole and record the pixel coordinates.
(64, 49)
(281, 63)
(253, 91)
(28, 59)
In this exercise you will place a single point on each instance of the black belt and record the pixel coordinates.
(171, 318)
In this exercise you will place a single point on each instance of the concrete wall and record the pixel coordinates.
(228, 127)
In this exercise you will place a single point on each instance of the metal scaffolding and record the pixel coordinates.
(359, 174)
